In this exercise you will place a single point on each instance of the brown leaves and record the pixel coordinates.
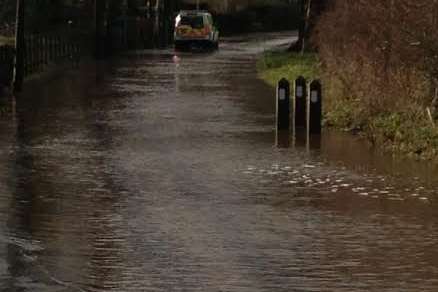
(386, 49)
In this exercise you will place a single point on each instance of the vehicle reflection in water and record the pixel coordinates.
(166, 176)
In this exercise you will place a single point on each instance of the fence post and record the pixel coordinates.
(25, 53)
(52, 48)
(55, 48)
(28, 56)
(283, 105)
(38, 53)
(315, 107)
(33, 54)
(300, 102)
(41, 54)
(20, 46)
(6, 66)
(64, 48)
(58, 48)
(46, 50)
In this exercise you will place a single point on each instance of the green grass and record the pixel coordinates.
(276, 65)
(409, 133)
(6, 41)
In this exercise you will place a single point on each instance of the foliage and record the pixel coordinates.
(408, 133)
(259, 18)
(379, 62)
(7, 11)
(385, 52)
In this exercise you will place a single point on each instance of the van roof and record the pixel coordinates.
(194, 12)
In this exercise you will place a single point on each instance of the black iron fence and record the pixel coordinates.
(44, 50)
(40, 52)
(7, 54)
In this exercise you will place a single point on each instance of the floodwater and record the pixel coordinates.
(165, 176)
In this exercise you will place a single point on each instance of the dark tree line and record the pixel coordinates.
(7, 16)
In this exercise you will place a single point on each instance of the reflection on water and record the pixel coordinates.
(283, 139)
(165, 177)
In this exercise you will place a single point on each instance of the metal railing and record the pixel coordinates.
(44, 50)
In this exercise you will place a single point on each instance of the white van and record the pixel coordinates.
(195, 27)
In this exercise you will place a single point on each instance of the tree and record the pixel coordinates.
(383, 53)
(310, 11)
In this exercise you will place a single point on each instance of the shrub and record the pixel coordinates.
(379, 60)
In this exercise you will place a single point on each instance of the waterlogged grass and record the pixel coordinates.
(276, 65)
(409, 133)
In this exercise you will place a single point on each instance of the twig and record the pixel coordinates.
(429, 115)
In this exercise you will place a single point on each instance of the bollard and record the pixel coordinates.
(300, 102)
(283, 105)
(315, 107)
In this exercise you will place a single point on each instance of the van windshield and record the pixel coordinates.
(193, 21)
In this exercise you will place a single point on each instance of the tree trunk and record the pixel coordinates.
(310, 11)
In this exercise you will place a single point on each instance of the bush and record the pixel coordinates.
(379, 61)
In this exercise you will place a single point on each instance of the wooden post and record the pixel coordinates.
(42, 52)
(315, 107)
(31, 53)
(61, 47)
(35, 53)
(39, 53)
(26, 57)
(64, 47)
(19, 47)
(46, 50)
(6, 66)
(283, 105)
(58, 48)
(300, 102)
(49, 48)
(53, 48)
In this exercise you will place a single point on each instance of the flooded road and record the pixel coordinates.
(165, 177)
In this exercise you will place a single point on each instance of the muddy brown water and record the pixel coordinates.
(165, 176)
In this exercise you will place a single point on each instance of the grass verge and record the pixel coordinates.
(6, 41)
(408, 132)
(273, 66)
